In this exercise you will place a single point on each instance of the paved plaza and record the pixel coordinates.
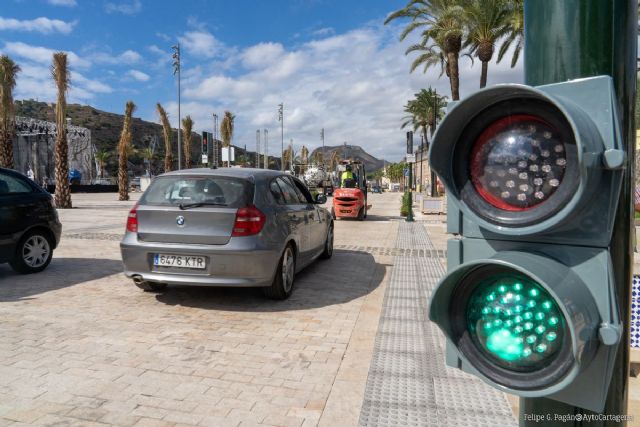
(81, 345)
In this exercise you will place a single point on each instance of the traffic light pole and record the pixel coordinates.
(410, 164)
(575, 39)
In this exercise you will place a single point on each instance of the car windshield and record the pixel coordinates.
(208, 190)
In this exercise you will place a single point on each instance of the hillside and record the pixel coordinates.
(105, 133)
(106, 127)
(354, 152)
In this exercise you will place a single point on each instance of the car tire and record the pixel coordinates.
(150, 286)
(362, 213)
(282, 285)
(328, 245)
(33, 253)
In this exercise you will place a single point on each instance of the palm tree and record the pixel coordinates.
(318, 157)
(148, 154)
(226, 130)
(422, 112)
(444, 25)
(335, 159)
(288, 157)
(187, 127)
(486, 23)
(166, 131)
(60, 72)
(124, 147)
(102, 157)
(304, 157)
(514, 31)
(8, 72)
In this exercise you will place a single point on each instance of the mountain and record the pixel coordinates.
(354, 152)
(105, 133)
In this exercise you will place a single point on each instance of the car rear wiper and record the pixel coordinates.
(198, 204)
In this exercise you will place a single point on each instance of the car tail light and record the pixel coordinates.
(132, 220)
(249, 222)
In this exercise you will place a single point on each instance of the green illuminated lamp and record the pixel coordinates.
(515, 322)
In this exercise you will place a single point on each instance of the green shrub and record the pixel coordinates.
(404, 207)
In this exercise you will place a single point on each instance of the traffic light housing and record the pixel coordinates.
(205, 142)
(533, 177)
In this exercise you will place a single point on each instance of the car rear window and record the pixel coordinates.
(176, 190)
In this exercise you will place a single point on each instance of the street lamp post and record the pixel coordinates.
(322, 137)
(257, 149)
(266, 149)
(215, 140)
(281, 119)
(176, 71)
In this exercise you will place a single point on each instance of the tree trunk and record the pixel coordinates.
(454, 77)
(6, 150)
(123, 178)
(63, 193)
(186, 149)
(483, 74)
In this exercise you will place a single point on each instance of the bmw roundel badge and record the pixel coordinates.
(180, 221)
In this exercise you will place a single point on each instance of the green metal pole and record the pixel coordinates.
(572, 39)
(410, 165)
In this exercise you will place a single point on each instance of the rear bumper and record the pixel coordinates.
(243, 262)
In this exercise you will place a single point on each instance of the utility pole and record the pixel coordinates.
(215, 140)
(176, 71)
(575, 39)
(266, 148)
(258, 148)
(281, 119)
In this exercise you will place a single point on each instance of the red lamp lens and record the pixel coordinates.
(518, 162)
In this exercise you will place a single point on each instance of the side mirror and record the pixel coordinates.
(321, 199)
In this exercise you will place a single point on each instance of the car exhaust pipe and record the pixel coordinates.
(137, 279)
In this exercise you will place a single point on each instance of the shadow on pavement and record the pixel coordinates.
(61, 273)
(348, 275)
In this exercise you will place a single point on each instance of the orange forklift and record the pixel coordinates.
(350, 195)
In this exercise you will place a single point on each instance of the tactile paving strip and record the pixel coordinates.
(408, 382)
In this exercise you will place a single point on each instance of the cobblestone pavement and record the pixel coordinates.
(80, 345)
(408, 382)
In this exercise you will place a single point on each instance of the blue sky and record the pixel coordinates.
(333, 63)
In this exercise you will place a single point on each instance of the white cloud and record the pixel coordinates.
(262, 54)
(41, 25)
(155, 49)
(324, 32)
(69, 3)
(124, 7)
(138, 75)
(41, 54)
(355, 85)
(202, 44)
(126, 57)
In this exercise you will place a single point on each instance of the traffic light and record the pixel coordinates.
(205, 140)
(533, 177)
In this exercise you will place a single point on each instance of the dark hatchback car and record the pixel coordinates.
(29, 225)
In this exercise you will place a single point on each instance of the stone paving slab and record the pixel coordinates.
(408, 382)
(80, 345)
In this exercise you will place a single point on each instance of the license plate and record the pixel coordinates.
(181, 261)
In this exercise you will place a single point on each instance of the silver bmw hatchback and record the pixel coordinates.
(225, 227)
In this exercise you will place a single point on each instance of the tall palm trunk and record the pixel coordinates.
(60, 73)
(187, 128)
(485, 53)
(166, 131)
(8, 71)
(123, 153)
(454, 76)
